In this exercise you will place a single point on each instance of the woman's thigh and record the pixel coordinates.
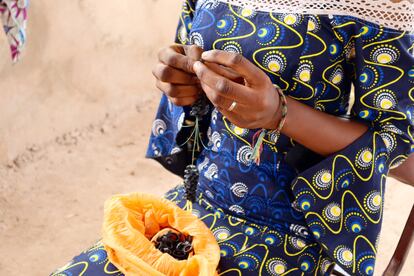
(246, 248)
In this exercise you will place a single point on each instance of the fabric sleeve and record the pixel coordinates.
(185, 22)
(170, 142)
(342, 196)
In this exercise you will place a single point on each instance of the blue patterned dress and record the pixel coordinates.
(301, 215)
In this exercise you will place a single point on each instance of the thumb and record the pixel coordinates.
(193, 52)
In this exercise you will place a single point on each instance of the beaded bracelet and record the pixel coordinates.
(258, 145)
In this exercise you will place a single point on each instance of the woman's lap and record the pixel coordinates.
(246, 248)
(93, 261)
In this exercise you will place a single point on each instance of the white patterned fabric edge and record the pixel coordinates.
(398, 16)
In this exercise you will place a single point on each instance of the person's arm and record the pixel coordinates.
(258, 106)
(404, 172)
(322, 133)
(172, 128)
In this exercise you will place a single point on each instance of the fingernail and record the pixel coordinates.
(206, 54)
(197, 66)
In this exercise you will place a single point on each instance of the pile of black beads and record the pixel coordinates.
(190, 182)
(177, 245)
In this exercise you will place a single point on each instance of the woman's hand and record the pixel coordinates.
(175, 75)
(257, 101)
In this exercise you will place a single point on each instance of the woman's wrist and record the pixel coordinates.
(278, 119)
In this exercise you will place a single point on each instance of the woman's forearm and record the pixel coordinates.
(320, 132)
(405, 172)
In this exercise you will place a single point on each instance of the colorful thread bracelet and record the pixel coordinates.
(284, 111)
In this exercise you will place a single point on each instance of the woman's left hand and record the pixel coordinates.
(257, 101)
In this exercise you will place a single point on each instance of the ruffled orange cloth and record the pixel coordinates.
(130, 221)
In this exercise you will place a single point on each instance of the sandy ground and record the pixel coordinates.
(52, 195)
(75, 119)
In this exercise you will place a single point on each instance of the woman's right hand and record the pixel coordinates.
(175, 76)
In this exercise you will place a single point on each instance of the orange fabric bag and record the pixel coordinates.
(130, 222)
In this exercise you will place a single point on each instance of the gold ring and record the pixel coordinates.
(232, 106)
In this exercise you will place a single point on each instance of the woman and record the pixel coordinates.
(276, 79)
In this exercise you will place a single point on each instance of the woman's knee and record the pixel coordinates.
(93, 261)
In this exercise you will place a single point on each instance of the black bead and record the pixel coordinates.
(200, 107)
(176, 244)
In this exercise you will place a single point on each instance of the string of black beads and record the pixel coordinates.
(199, 109)
(177, 245)
(191, 175)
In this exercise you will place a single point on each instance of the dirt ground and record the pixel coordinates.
(75, 119)
(52, 195)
